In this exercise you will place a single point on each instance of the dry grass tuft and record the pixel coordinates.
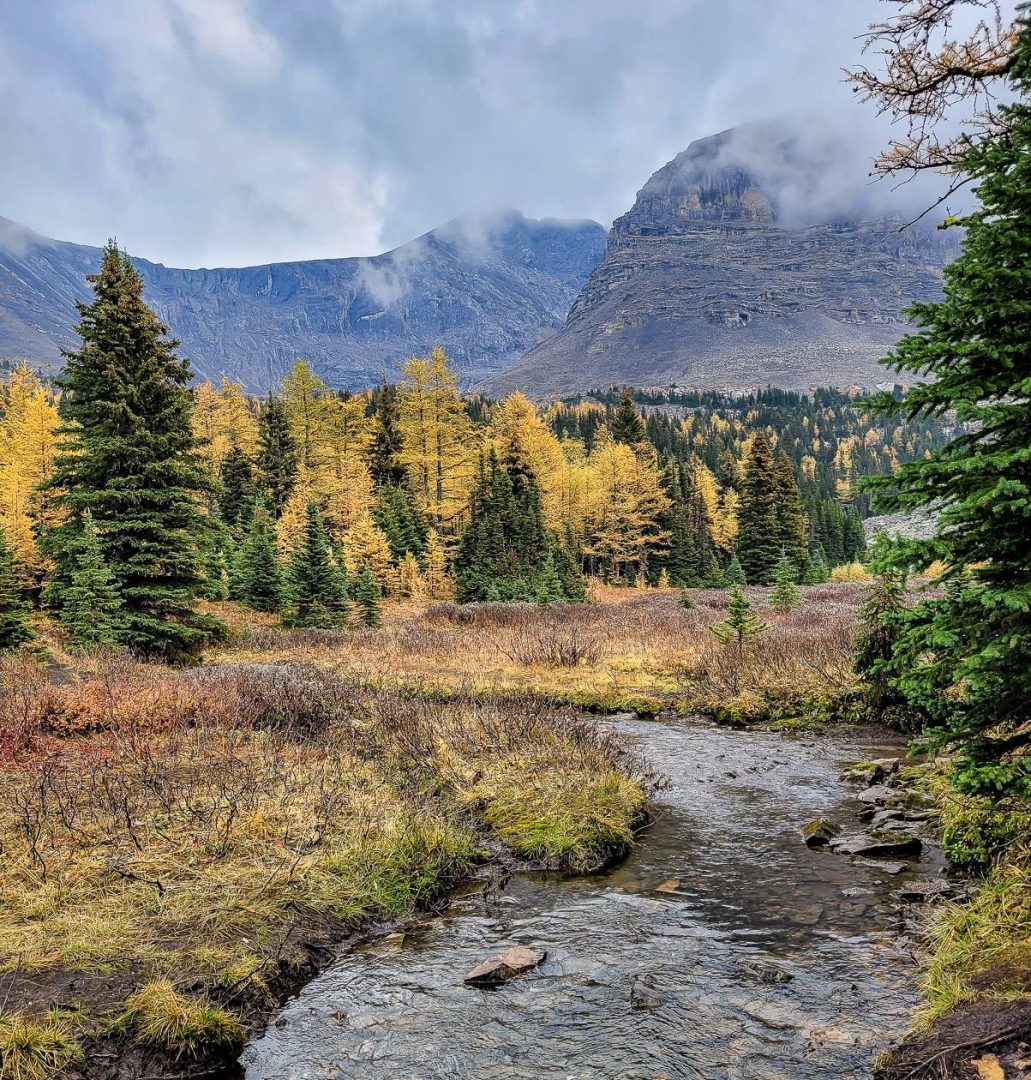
(37, 1047)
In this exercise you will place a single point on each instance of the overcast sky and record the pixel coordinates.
(227, 132)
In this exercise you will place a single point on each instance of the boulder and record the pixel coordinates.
(875, 794)
(864, 772)
(819, 832)
(507, 965)
(880, 843)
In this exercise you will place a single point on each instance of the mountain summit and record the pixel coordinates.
(750, 258)
(485, 289)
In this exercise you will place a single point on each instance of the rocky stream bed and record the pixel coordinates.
(723, 947)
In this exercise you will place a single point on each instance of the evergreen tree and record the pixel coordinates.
(386, 439)
(277, 454)
(791, 527)
(236, 492)
(567, 565)
(317, 589)
(216, 570)
(853, 538)
(256, 578)
(965, 656)
(14, 612)
(367, 598)
(733, 575)
(758, 543)
(686, 600)
(403, 524)
(128, 455)
(91, 604)
(627, 425)
(786, 595)
(504, 548)
(880, 625)
(816, 571)
(549, 584)
(741, 627)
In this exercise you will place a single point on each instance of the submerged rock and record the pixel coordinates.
(644, 994)
(765, 972)
(507, 965)
(881, 842)
(819, 832)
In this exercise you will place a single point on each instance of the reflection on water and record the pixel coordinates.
(751, 903)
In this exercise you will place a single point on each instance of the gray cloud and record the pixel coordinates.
(244, 131)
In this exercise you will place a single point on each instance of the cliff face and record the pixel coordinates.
(733, 269)
(485, 291)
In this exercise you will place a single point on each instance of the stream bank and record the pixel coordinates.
(723, 947)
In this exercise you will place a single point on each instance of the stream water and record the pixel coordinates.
(752, 902)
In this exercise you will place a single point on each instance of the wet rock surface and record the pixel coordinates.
(768, 961)
(507, 965)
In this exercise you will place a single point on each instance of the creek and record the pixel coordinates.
(766, 960)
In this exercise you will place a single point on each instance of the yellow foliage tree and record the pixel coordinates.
(223, 418)
(521, 437)
(626, 499)
(436, 579)
(28, 427)
(438, 444)
(366, 545)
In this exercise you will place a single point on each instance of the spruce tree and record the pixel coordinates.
(216, 564)
(758, 543)
(236, 490)
(316, 587)
(627, 425)
(14, 611)
(791, 526)
(880, 623)
(733, 575)
(277, 463)
(741, 627)
(386, 439)
(367, 595)
(786, 595)
(549, 584)
(964, 656)
(816, 571)
(505, 546)
(567, 565)
(91, 605)
(129, 456)
(256, 579)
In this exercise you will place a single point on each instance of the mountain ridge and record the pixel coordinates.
(485, 289)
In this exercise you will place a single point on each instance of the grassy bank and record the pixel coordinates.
(177, 846)
(630, 650)
(977, 1017)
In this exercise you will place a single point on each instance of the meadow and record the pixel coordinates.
(181, 847)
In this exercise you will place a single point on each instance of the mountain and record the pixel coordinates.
(753, 257)
(486, 290)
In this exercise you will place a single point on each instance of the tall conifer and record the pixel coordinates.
(128, 455)
(277, 462)
(964, 655)
(758, 547)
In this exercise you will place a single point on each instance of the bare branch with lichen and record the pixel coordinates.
(928, 71)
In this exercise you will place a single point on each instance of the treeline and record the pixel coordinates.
(127, 494)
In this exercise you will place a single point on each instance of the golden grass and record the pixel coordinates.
(158, 1015)
(196, 829)
(37, 1047)
(632, 650)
